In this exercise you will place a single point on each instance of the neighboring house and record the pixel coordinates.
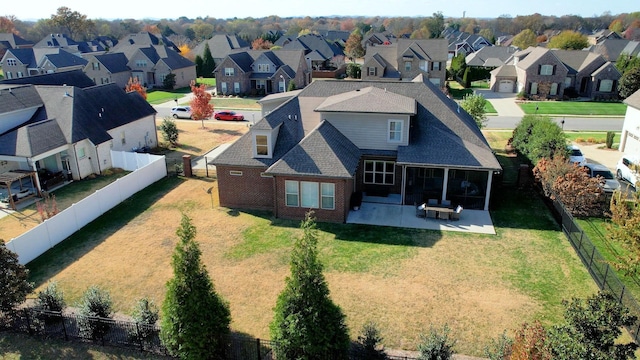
(375, 39)
(75, 78)
(143, 39)
(405, 140)
(405, 59)
(490, 57)
(221, 45)
(339, 36)
(12, 41)
(49, 131)
(540, 72)
(62, 41)
(464, 43)
(630, 138)
(602, 35)
(320, 53)
(18, 63)
(108, 68)
(60, 61)
(150, 65)
(612, 49)
(261, 72)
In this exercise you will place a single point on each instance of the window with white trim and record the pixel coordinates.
(372, 71)
(292, 194)
(19, 74)
(395, 131)
(141, 63)
(606, 85)
(534, 88)
(8, 75)
(554, 89)
(262, 145)
(229, 71)
(96, 65)
(104, 80)
(263, 68)
(379, 172)
(407, 66)
(236, 87)
(328, 196)
(436, 65)
(223, 87)
(423, 65)
(81, 153)
(309, 194)
(546, 70)
(261, 84)
(12, 62)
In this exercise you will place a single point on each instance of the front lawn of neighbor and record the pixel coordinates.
(159, 96)
(578, 108)
(591, 137)
(235, 103)
(406, 280)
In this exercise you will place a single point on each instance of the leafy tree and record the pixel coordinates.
(14, 286)
(134, 85)
(616, 26)
(208, 64)
(199, 63)
(195, 319)
(458, 66)
(7, 24)
(530, 343)
(169, 130)
(369, 342)
(436, 345)
(591, 329)
(474, 105)
(51, 298)
(261, 44)
(184, 50)
(435, 25)
(488, 34)
(626, 62)
(306, 323)
(72, 22)
(354, 70)
(200, 107)
(537, 137)
(629, 82)
(353, 48)
(95, 302)
(568, 40)
(169, 81)
(524, 39)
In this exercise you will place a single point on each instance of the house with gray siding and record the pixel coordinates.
(404, 140)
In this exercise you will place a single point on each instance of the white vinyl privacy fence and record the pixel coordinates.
(146, 169)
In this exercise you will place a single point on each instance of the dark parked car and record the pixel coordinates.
(228, 115)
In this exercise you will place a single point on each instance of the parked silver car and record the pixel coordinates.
(610, 182)
(182, 112)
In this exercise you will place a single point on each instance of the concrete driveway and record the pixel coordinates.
(599, 154)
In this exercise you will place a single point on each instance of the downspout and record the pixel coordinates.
(98, 159)
(275, 197)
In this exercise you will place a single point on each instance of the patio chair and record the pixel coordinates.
(443, 215)
(432, 213)
(446, 203)
(456, 214)
(432, 202)
(420, 212)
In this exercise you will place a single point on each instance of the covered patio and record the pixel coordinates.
(17, 186)
(378, 211)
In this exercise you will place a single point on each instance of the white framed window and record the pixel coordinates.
(567, 82)
(372, 71)
(554, 89)
(546, 70)
(309, 194)
(236, 87)
(328, 196)
(96, 65)
(534, 88)
(423, 65)
(379, 172)
(436, 65)
(229, 71)
(407, 66)
(606, 85)
(435, 81)
(81, 154)
(261, 84)
(19, 74)
(395, 131)
(264, 68)
(235, 173)
(281, 85)
(141, 63)
(292, 194)
(223, 87)
(8, 75)
(262, 145)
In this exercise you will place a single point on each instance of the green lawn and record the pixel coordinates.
(160, 96)
(458, 91)
(579, 108)
(235, 103)
(595, 137)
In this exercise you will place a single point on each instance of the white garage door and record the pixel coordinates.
(505, 86)
(632, 144)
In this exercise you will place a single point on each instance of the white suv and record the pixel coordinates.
(626, 169)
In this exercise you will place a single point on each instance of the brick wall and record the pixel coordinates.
(249, 191)
(343, 190)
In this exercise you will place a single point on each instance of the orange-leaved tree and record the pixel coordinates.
(200, 107)
(134, 85)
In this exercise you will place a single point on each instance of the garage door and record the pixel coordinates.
(632, 144)
(505, 86)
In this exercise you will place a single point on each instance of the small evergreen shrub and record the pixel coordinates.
(51, 298)
(609, 141)
(95, 302)
(436, 345)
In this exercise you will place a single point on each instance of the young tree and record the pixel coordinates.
(353, 47)
(354, 71)
(369, 342)
(306, 323)
(208, 64)
(169, 130)
(458, 66)
(538, 137)
(134, 85)
(568, 40)
(625, 230)
(145, 314)
(474, 105)
(200, 107)
(14, 286)
(169, 81)
(524, 39)
(195, 319)
(591, 329)
(436, 345)
(199, 64)
(530, 343)
(261, 44)
(629, 82)
(51, 298)
(95, 302)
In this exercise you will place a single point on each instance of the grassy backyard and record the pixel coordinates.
(405, 280)
(576, 108)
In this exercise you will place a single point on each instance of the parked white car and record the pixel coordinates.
(626, 169)
(181, 112)
(576, 156)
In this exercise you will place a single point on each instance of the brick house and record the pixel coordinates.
(334, 138)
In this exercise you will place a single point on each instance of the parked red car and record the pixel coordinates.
(228, 115)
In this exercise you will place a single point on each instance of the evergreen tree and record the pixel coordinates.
(199, 63)
(14, 286)
(307, 324)
(195, 319)
(208, 64)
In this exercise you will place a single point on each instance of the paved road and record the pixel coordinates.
(570, 123)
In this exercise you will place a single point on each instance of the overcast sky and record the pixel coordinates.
(121, 9)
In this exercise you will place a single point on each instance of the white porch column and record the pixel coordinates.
(445, 182)
(488, 193)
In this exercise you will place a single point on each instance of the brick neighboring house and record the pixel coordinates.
(12, 41)
(545, 73)
(335, 138)
(18, 63)
(461, 42)
(221, 45)
(261, 72)
(151, 64)
(325, 58)
(405, 59)
(108, 68)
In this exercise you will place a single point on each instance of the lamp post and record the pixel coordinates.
(284, 84)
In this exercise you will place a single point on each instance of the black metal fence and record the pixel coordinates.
(128, 334)
(600, 271)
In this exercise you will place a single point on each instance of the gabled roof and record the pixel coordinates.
(32, 139)
(429, 49)
(142, 39)
(611, 49)
(289, 60)
(577, 60)
(313, 42)
(633, 100)
(325, 152)
(173, 59)
(608, 66)
(222, 45)
(369, 100)
(505, 71)
(25, 56)
(63, 59)
(13, 98)
(75, 78)
(14, 40)
(532, 55)
(488, 56)
(114, 62)
(56, 40)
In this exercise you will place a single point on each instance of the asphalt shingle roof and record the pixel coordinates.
(114, 62)
(75, 78)
(369, 100)
(633, 100)
(64, 59)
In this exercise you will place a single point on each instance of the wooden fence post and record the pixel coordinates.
(64, 327)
